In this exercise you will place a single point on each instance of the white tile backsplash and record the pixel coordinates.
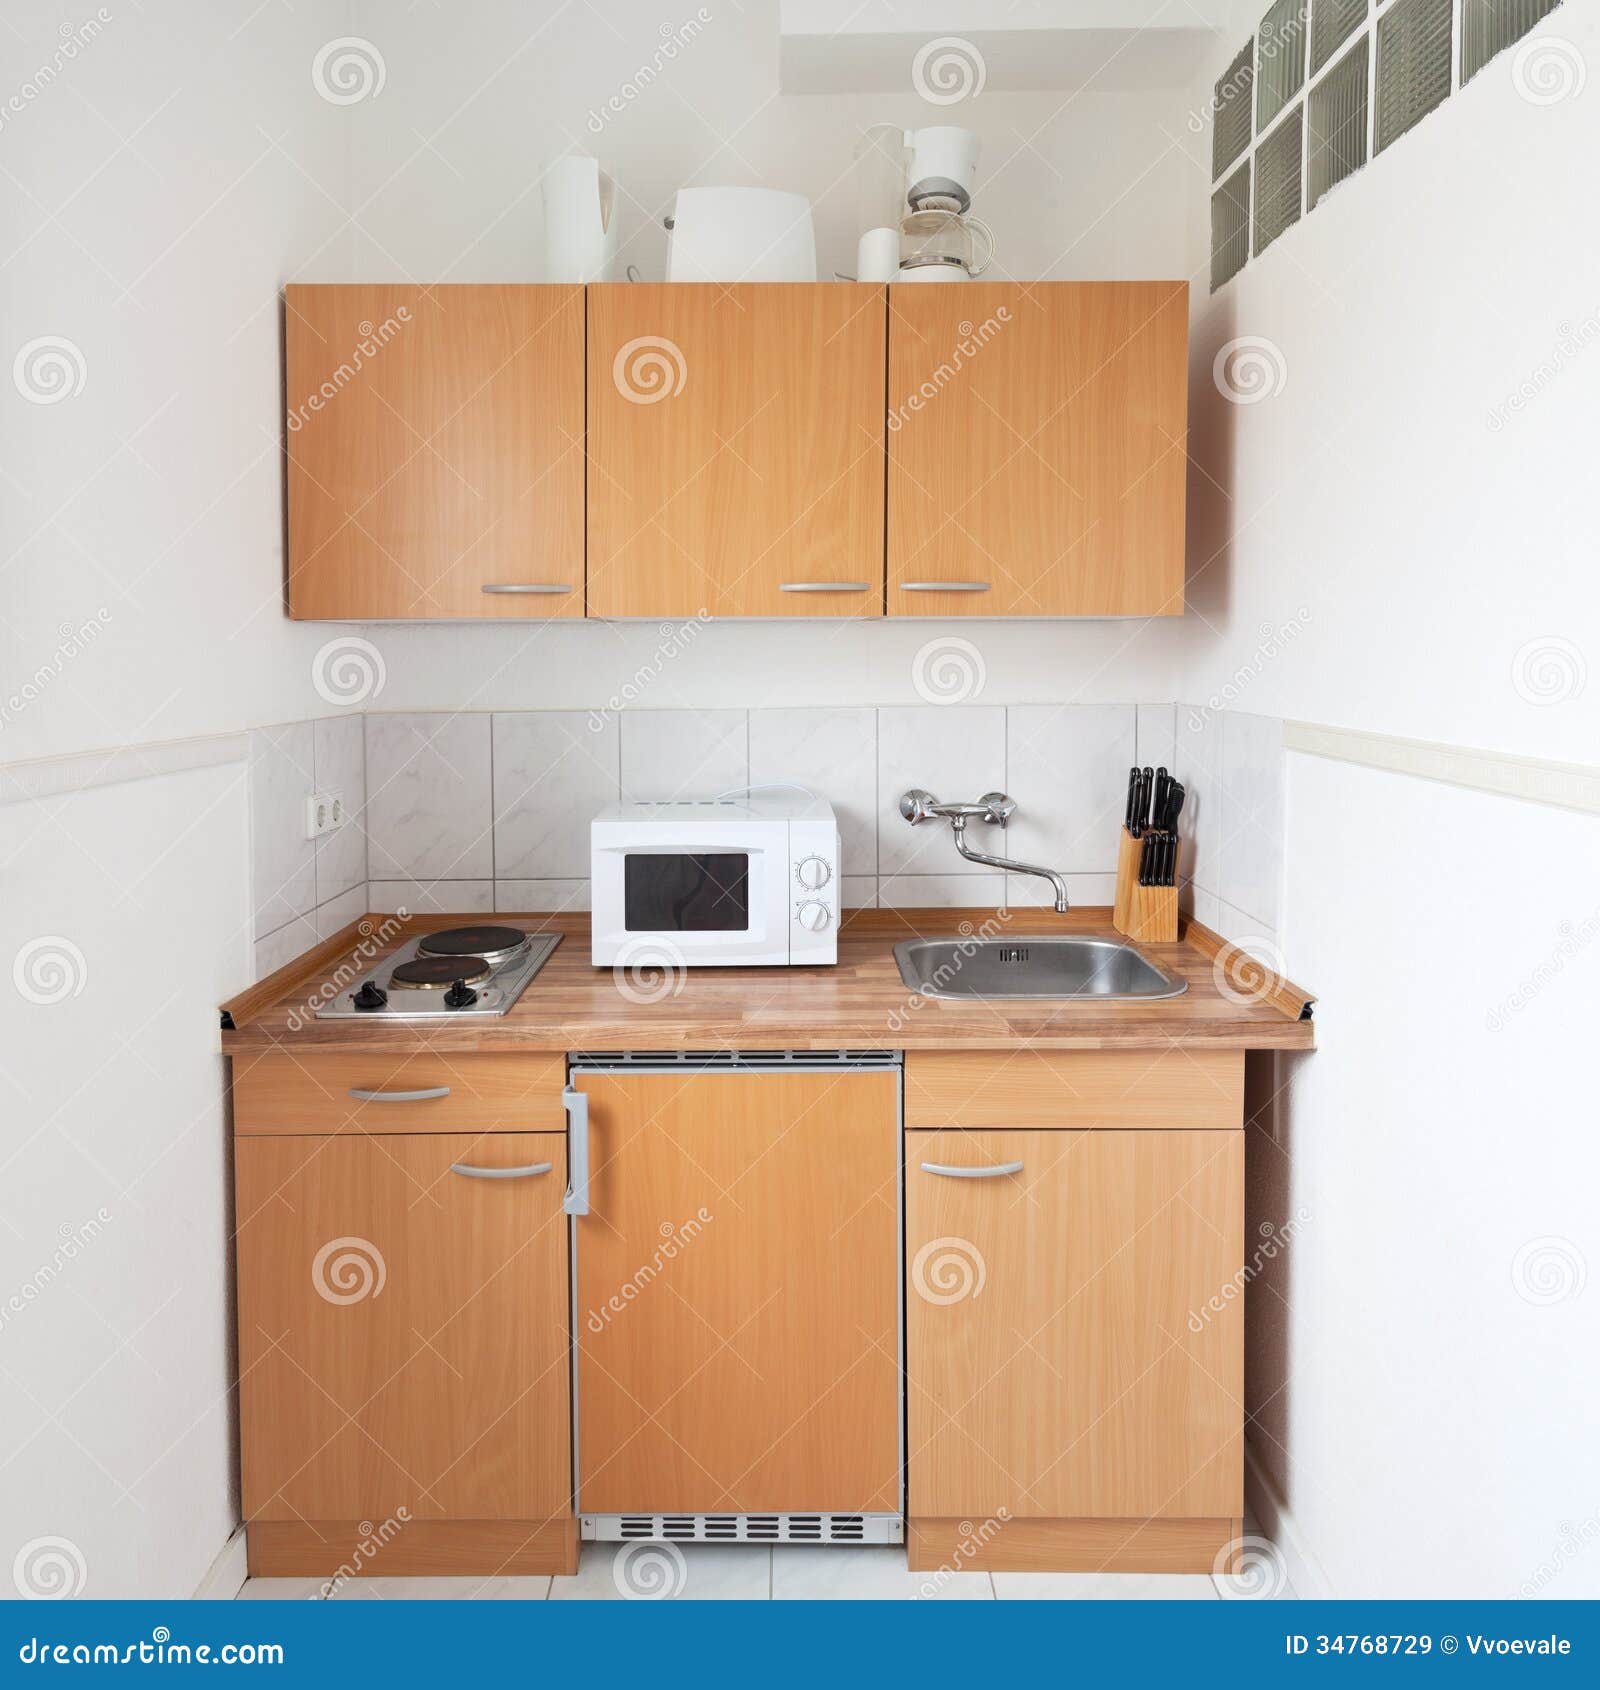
(340, 911)
(983, 890)
(1158, 737)
(834, 752)
(683, 753)
(433, 897)
(429, 804)
(543, 896)
(284, 861)
(1252, 814)
(1199, 767)
(284, 945)
(552, 770)
(1067, 767)
(954, 752)
(340, 764)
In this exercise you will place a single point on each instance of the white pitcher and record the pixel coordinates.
(580, 223)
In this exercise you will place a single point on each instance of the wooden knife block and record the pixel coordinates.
(1142, 912)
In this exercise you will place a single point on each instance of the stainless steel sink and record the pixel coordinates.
(1031, 968)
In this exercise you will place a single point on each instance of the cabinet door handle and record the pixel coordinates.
(468, 1171)
(942, 586)
(362, 1095)
(997, 1172)
(525, 587)
(576, 1201)
(824, 586)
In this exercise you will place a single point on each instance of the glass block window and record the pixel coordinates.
(1490, 26)
(1278, 160)
(1333, 22)
(1336, 124)
(1230, 227)
(1413, 65)
(1230, 126)
(1280, 59)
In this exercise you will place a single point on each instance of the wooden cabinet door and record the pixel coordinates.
(1065, 1357)
(1037, 448)
(736, 449)
(403, 1328)
(737, 1294)
(435, 445)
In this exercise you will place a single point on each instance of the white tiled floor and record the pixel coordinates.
(722, 1572)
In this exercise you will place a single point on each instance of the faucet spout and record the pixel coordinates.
(1057, 884)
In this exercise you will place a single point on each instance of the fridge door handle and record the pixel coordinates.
(576, 1201)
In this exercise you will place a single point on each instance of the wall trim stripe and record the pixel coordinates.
(59, 777)
(1534, 780)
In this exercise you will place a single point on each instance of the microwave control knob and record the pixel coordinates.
(813, 916)
(813, 873)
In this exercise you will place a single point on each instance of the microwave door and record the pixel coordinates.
(712, 904)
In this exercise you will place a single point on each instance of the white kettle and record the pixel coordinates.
(580, 222)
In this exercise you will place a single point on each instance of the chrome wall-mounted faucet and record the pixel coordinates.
(918, 806)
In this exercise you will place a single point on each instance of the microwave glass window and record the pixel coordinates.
(686, 893)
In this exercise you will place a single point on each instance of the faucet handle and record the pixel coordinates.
(918, 806)
(998, 807)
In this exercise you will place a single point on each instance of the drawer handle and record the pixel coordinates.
(944, 586)
(949, 1172)
(468, 1171)
(362, 1095)
(824, 586)
(525, 587)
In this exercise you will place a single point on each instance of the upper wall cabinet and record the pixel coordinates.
(736, 449)
(435, 444)
(1037, 449)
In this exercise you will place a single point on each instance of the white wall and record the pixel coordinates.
(163, 173)
(1367, 550)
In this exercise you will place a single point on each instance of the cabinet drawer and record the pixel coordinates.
(384, 1093)
(1074, 1088)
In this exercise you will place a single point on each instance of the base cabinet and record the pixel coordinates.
(1072, 1362)
(403, 1341)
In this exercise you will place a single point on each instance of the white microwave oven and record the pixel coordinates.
(716, 883)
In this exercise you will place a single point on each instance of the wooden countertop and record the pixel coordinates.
(861, 1002)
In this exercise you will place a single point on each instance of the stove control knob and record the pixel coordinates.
(370, 996)
(813, 873)
(460, 996)
(813, 916)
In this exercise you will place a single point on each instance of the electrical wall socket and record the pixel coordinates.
(324, 813)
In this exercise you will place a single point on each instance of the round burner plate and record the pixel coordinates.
(437, 973)
(495, 945)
